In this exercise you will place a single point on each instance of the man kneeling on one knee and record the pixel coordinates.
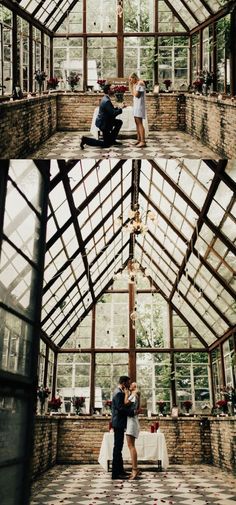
(106, 121)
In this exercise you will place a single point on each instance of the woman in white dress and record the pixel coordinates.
(138, 90)
(132, 431)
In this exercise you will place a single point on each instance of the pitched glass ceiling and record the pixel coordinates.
(191, 12)
(189, 248)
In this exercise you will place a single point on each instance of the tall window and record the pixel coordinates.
(23, 53)
(36, 52)
(5, 50)
(68, 58)
(173, 60)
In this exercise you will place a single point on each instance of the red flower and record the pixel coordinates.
(120, 89)
(55, 402)
(222, 403)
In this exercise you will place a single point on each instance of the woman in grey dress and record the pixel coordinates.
(132, 431)
(138, 90)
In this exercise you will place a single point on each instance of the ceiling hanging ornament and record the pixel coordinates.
(119, 9)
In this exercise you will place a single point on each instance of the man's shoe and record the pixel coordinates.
(117, 143)
(82, 143)
(120, 477)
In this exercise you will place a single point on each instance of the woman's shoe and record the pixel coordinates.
(141, 144)
(135, 474)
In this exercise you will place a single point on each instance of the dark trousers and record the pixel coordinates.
(117, 462)
(109, 135)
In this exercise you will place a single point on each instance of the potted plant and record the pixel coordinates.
(119, 92)
(223, 406)
(52, 83)
(54, 404)
(73, 80)
(40, 77)
(187, 404)
(161, 406)
(78, 403)
(42, 394)
(167, 83)
(101, 83)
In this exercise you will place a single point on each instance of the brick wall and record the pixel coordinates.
(45, 444)
(165, 112)
(223, 443)
(213, 122)
(25, 124)
(189, 440)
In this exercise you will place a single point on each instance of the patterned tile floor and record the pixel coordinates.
(177, 144)
(179, 485)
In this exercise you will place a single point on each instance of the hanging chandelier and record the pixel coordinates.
(136, 224)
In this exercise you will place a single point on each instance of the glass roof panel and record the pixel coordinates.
(87, 248)
(51, 12)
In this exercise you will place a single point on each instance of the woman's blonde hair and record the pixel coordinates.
(133, 76)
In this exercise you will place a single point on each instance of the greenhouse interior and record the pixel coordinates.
(55, 55)
(111, 268)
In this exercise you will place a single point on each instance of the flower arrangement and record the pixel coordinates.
(119, 91)
(78, 403)
(108, 403)
(222, 405)
(101, 83)
(187, 404)
(199, 81)
(161, 405)
(52, 83)
(40, 76)
(167, 83)
(120, 88)
(208, 77)
(42, 393)
(73, 79)
(54, 403)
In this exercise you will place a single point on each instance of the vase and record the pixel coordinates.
(40, 86)
(119, 97)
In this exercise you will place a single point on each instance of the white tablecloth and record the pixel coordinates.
(150, 447)
(128, 121)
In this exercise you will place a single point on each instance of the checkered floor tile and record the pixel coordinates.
(90, 485)
(66, 145)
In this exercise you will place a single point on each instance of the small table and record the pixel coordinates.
(150, 446)
(128, 121)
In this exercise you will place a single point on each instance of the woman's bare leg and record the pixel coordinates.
(141, 131)
(133, 454)
(137, 128)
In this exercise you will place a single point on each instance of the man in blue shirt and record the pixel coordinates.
(106, 122)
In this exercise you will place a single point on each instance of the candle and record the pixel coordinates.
(152, 428)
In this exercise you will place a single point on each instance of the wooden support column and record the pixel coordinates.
(16, 69)
(120, 42)
(132, 330)
(156, 41)
(214, 57)
(201, 49)
(51, 58)
(222, 366)
(45, 375)
(54, 377)
(31, 58)
(211, 378)
(191, 60)
(85, 49)
(42, 52)
(233, 53)
(93, 363)
(172, 360)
